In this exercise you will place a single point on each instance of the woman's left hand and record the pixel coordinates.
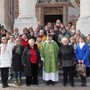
(82, 61)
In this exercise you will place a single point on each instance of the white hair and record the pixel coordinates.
(64, 39)
(4, 38)
(41, 31)
(31, 40)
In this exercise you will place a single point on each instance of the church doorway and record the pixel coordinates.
(52, 18)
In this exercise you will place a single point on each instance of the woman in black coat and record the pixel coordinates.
(67, 60)
(17, 61)
(30, 60)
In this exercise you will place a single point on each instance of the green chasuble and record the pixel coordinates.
(49, 51)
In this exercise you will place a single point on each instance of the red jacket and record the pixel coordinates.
(33, 57)
(24, 43)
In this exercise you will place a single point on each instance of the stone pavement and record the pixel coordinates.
(44, 87)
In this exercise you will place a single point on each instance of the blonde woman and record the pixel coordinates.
(5, 61)
(17, 61)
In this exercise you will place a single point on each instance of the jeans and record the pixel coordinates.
(18, 74)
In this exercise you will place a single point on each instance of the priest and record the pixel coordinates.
(49, 53)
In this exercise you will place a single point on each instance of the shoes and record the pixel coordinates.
(35, 84)
(27, 84)
(64, 84)
(52, 83)
(4, 86)
(47, 82)
(83, 81)
(16, 82)
(19, 82)
(72, 85)
(83, 85)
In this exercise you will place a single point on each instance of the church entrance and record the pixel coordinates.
(52, 18)
(51, 12)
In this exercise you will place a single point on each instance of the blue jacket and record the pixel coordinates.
(83, 54)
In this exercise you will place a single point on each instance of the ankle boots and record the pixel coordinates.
(18, 82)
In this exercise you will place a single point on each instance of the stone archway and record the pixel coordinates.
(57, 10)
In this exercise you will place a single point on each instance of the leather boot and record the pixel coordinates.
(82, 84)
(20, 82)
(16, 82)
(84, 81)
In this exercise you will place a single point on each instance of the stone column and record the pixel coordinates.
(5, 18)
(26, 15)
(65, 15)
(84, 21)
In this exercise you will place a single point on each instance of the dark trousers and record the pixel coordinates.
(83, 81)
(4, 75)
(68, 71)
(75, 72)
(33, 79)
(87, 71)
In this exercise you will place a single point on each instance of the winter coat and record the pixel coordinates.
(17, 59)
(26, 59)
(83, 54)
(66, 55)
(5, 56)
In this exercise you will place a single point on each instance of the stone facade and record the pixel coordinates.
(26, 16)
(5, 17)
(84, 20)
(24, 9)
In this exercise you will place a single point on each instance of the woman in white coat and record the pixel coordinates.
(5, 61)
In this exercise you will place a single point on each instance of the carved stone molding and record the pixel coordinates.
(53, 10)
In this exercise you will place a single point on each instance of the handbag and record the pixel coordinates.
(81, 68)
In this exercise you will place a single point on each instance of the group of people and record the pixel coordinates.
(45, 49)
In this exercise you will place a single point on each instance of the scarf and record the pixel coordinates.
(18, 49)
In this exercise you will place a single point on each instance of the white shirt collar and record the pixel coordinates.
(81, 45)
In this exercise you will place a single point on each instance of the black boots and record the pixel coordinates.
(83, 81)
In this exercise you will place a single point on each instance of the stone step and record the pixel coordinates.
(41, 81)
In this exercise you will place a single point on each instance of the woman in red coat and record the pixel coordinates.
(24, 40)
